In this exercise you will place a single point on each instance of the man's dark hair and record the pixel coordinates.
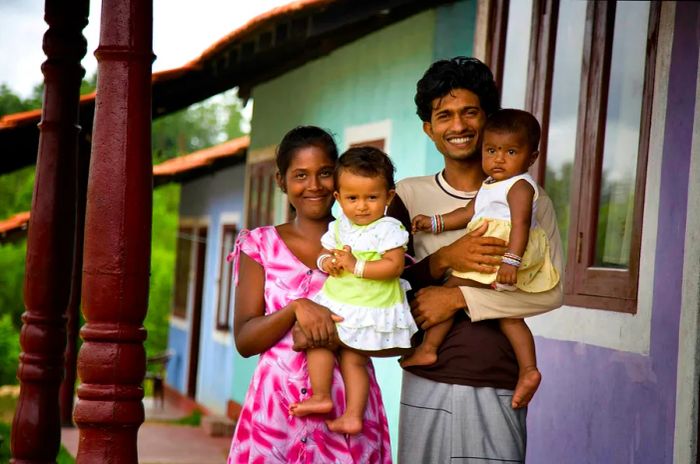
(367, 162)
(459, 72)
(515, 121)
(302, 137)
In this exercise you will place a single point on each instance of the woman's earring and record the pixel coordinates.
(386, 208)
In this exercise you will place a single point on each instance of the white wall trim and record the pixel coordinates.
(619, 331)
(222, 337)
(685, 446)
(179, 322)
(366, 132)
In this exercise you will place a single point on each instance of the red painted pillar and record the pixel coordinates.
(36, 428)
(111, 361)
(67, 391)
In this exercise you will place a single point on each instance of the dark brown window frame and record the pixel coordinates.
(223, 313)
(261, 180)
(585, 285)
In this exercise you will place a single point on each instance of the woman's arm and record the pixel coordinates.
(255, 332)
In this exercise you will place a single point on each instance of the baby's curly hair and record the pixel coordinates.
(460, 72)
(366, 162)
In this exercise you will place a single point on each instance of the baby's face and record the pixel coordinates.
(363, 199)
(506, 154)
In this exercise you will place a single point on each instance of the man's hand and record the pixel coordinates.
(433, 305)
(473, 252)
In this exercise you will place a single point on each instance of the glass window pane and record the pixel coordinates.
(563, 120)
(622, 128)
(517, 54)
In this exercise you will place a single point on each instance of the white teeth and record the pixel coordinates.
(460, 140)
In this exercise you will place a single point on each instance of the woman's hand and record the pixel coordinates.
(317, 323)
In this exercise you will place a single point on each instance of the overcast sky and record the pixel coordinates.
(182, 29)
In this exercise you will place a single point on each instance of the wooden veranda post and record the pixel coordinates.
(111, 361)
(36, 431)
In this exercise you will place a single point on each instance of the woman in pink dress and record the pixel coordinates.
(275, 274)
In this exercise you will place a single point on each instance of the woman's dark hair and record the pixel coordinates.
(459, 72)
(518, 122)
(367, 162)
(301, 137)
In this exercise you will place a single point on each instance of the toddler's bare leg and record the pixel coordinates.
(320, 362)
(425, 354)
(523, 344)
(353, 367)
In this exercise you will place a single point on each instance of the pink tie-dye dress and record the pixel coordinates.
(265, 432)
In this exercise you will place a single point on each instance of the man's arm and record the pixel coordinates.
(433, 303)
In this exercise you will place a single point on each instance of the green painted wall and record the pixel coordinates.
(370, 80)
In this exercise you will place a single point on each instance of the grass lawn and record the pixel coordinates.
(7, 410)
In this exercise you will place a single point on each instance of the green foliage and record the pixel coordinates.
(165, 208)
(9, 350)
(202, 125)
(194, 419)
(5, 442)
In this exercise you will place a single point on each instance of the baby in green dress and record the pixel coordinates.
(364, 257)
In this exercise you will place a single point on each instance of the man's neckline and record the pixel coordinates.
(451, 191)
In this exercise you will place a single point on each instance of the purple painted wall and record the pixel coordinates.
(598, 405)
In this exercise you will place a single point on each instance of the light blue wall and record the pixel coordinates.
(207, 199)
(370, 80)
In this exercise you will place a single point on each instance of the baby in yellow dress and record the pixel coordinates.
(506, 202)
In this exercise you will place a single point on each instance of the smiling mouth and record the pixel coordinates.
(460, 140)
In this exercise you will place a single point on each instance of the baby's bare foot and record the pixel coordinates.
(421, 356)
(350, 425)
(313, 405)
(528, 382)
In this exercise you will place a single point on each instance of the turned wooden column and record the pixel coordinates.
(67, 390)
(36, 428)
(111, 361)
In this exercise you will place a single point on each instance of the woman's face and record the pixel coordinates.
(309, 182)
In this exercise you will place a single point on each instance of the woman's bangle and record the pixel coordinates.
(320, 260)
(359, 268)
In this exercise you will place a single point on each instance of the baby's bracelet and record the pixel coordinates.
(359, 268)
(512, 259)
(437, 224)
(321, 259)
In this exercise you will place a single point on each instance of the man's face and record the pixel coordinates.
(455, 124)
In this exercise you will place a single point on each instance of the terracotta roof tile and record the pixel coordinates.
(201, 158)
(14, 223)
(165, 170)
